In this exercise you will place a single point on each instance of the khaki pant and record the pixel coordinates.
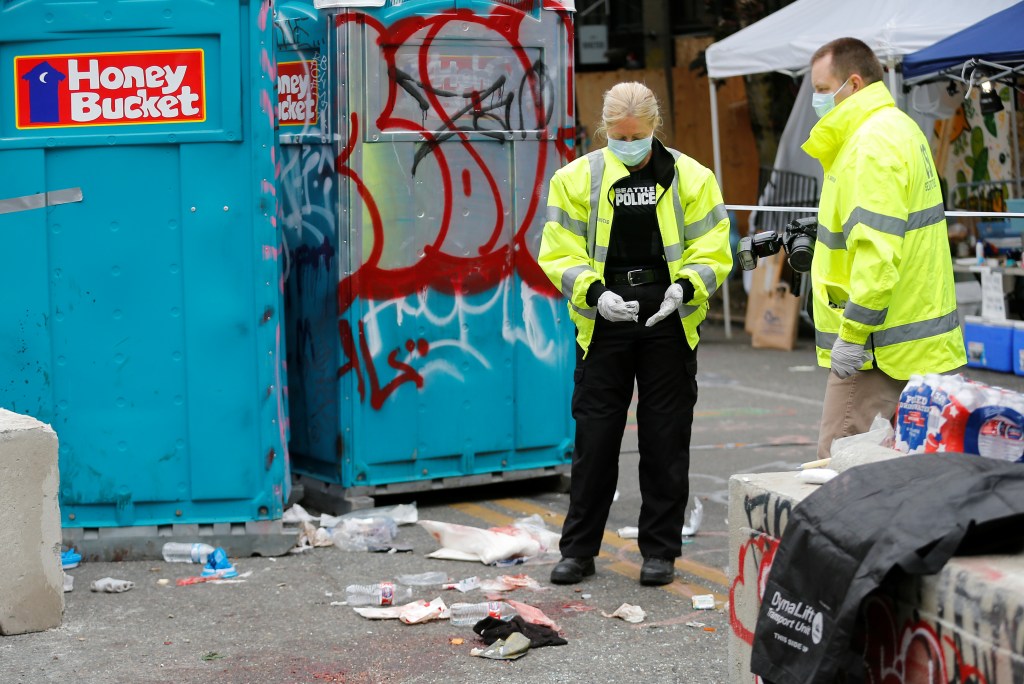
(851, 405)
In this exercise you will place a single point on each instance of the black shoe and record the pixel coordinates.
(572, 570)
(657, 571)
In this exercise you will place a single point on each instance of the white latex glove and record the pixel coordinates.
(847, 358)
(614, 308)
(673, 298)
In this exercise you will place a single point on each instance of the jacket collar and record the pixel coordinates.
(662, 164)
(829, 134)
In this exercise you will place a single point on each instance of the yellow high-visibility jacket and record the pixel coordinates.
(882, 273)
(692, 220)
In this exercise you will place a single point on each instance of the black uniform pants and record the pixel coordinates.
(664, 369)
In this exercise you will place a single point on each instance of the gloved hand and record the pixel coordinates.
(614, 308)
(673, 298)
(847, 358)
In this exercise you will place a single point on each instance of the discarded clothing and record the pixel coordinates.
(491, 629)
(865, 529)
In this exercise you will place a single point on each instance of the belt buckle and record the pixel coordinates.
(629, 276)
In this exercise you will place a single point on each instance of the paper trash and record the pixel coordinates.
(627, 612)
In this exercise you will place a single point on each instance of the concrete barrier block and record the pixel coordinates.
(759, 508)
(963, 624)
(32, 583)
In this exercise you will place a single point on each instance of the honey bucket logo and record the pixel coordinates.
(108, 88)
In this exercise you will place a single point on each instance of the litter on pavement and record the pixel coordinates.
(627, 612)
(514, 646)
(525, 538)
(111, 585)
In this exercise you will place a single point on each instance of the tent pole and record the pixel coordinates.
(717, 156)
(1015, 152)
(890, 62)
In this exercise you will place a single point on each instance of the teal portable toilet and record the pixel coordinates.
(426, 348)
(143, 282)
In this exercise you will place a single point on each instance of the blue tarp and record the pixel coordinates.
(999, 38)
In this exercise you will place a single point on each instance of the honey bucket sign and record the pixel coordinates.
(108, 88)
(297, 93)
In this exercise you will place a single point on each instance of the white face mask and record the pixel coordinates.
(823, 103)
(631, 152)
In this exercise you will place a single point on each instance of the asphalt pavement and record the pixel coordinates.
(758, 411)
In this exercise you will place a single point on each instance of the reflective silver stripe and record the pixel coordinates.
(926, 217)
(596, 161)
(707, 275)
(677, 207)
(704, 225)
(562, 218)
(825, 340)
(862, 314)
(586, 313)
(687, 309)
(569, 277)
(871, 219)
(40, 200)
(674, 252)
(831, 240)
(600, 254)
(900, 333)
(917, 331)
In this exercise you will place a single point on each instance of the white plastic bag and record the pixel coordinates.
(361, 534)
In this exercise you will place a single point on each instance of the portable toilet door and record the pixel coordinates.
(143, 289)
(455, 350)
(308, 196)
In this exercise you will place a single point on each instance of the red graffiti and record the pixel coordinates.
(498, 256)
(378, 394)
(763, 547)
(912, 654)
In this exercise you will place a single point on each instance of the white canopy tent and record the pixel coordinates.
(785, 40)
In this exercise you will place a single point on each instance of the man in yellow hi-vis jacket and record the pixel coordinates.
(882, 277)
(637, 239)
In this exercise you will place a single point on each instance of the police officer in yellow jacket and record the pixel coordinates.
(637, 239)
(882, 278)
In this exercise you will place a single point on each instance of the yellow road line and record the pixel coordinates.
(705, 572)
(618, 564)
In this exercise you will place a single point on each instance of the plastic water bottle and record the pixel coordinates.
(424, 579)
(179, 552)
(468, 614)
(381, 594)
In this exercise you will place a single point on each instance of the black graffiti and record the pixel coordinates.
(291, 33)
(307, 259)
(774, 522)
(971, 611)
(489, 110)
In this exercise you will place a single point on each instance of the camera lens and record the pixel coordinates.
(801, 253)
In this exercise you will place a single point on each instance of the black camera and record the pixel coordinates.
(797, 239)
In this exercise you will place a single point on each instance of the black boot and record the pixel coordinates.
(572, 570)
(657, 571)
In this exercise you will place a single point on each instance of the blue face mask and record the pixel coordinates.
(631, 152)
(823, 103)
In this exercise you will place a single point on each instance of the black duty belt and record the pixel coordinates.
(638, 276)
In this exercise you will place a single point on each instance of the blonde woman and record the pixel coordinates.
(637, 239)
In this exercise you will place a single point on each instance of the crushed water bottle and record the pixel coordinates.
(380, 594)
(468, 614)
(183, 552)
(424, 579)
